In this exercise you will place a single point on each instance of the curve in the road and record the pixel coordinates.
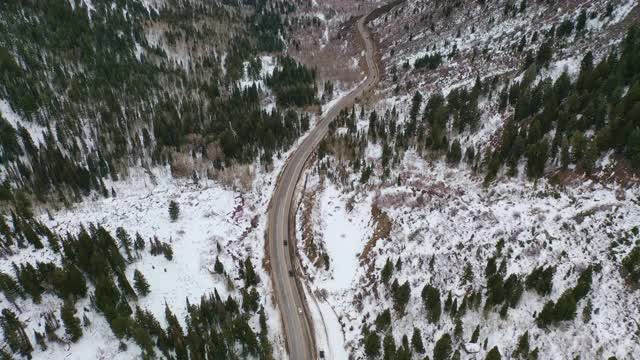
(288, 290)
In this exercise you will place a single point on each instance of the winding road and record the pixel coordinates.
(285, 270)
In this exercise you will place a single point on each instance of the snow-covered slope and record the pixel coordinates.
(383, 203)
(216, 223)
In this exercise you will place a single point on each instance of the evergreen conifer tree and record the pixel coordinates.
(416, 341)
(174, 210)
(442, 350)
(140, 283)
(71, 322)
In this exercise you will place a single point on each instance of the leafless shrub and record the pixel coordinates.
(181, 165)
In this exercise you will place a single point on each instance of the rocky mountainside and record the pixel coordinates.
(483, 201)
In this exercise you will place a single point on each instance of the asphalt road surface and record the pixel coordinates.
(289, 293)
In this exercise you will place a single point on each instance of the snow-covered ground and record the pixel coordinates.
(207, 220)
(212, 217)
(447, 214)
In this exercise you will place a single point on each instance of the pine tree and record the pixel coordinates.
(372, 344)
(23, 205)
(383, 320)
(589, 159)
(432, 302)
(565, 155)
(167, 251)
(457, 332)
(494, 354)
(522, 350)
(475, 335)
(443, 349)
(120, 326)
(467, 275)
(541, 280)
(523, 6)
(633, 150)
(386, 272)
(389, 347)
(71, 323)
(448, 302)
(250, 276)
(4, 355)
(401, 297)
(74, 283)
(125, 241)
(250, 300)
(455, 153)
(40, 340)
(581, 21)
(399, 264)
(565, 308)
(138, 244)
(140, 283)
(31, 282)
(142, 338)
(9, 287)
(456, 355)
(125, 286)
(218, 268)
(14, 333)
(404, 351)
(586, 311)
(416, 341)
(174, 210)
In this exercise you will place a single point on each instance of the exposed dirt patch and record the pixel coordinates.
(619, 172)
(326, 38)
(382, 228)
(307, 233)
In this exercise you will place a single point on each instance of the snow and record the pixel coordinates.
(268, 66)
(444, 212)
(338, 95)
(35, 131)
(569, 65)
(344, 236)
(621, 11)
(210, 215)
(142, 207)
(139, 51)
(336, 347)
(472, 348)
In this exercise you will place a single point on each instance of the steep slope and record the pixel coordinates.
(90, 89)
(205, 289)
(141, 139)
(484, 200)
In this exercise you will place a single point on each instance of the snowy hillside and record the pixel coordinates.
(443, 221)
(465, 210)
(215, 225)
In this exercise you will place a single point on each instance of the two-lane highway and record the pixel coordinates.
(288, 289)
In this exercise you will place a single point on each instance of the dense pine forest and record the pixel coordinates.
(99, 96)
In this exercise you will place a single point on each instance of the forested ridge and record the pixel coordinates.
(551, 124)
(120, 84)
(90, 89)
